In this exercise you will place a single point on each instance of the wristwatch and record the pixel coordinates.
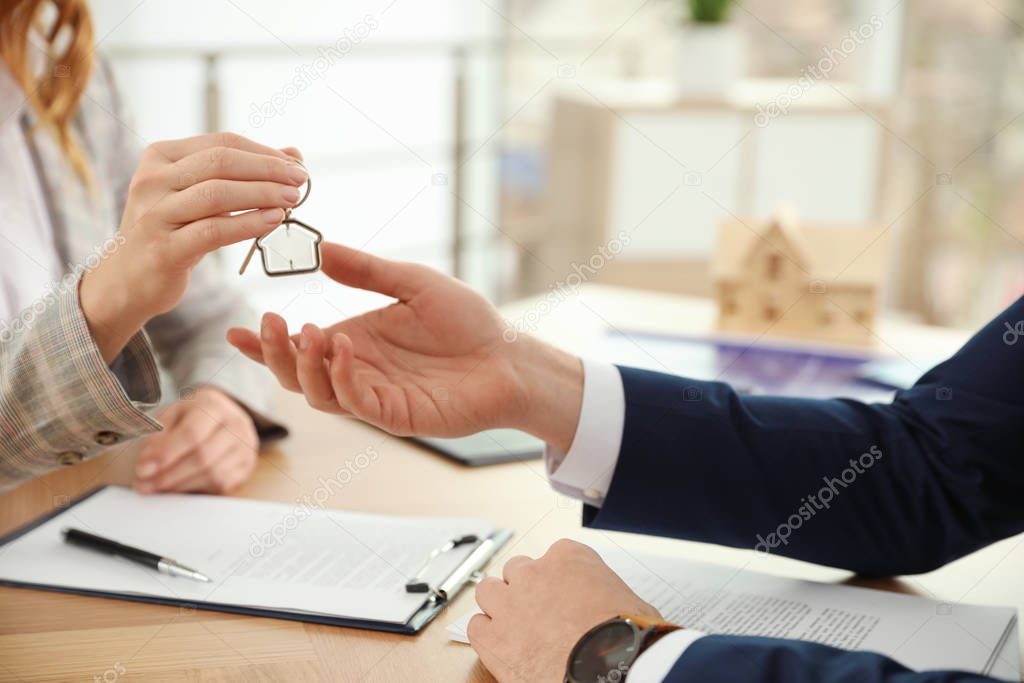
(606, 652)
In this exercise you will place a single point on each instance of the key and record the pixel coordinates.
(292, 248)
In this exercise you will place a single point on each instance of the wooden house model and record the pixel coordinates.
(783, 278)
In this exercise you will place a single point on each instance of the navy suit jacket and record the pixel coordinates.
(901, 488)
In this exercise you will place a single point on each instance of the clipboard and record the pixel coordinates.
(468, 570)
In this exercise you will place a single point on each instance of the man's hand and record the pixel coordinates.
(534, 617)
(209, 444)
(434, 363)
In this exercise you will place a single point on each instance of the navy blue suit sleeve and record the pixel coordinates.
(727, 659)
(879, 489)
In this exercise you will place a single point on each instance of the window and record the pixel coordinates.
(367, 93)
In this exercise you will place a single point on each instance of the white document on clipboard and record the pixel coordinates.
(272, 559)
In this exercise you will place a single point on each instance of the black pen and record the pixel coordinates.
(105, 545)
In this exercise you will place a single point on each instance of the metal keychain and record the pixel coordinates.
(292, 248)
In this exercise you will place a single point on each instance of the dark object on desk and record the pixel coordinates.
(164, 565)
(764, 368)
(488, 448)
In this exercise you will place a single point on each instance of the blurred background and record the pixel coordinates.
(509, 141)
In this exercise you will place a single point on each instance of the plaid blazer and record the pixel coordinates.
(59, 402)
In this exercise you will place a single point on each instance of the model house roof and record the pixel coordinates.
(843, 254)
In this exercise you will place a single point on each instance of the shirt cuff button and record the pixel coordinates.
(69, 458)
(107, 438)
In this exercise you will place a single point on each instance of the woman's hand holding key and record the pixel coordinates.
(178, 210)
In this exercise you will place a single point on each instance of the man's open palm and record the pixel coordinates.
(433, 363)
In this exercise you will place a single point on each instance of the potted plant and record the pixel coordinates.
(711, 55)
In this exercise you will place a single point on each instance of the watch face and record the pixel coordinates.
(605, 654)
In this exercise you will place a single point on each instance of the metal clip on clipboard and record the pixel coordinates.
(467, 571)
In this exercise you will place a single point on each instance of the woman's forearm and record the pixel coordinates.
(108, 311)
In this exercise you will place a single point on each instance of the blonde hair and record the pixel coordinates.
(54, 92)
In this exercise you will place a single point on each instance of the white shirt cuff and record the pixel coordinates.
(655, 663)
(586, 471)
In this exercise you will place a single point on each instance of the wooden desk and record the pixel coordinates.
(54, 637)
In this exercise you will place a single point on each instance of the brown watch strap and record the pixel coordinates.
(658, 628)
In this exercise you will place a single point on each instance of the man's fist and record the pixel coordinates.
(539, 609)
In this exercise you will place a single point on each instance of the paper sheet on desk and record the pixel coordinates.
(263, 555)
(919, 633)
